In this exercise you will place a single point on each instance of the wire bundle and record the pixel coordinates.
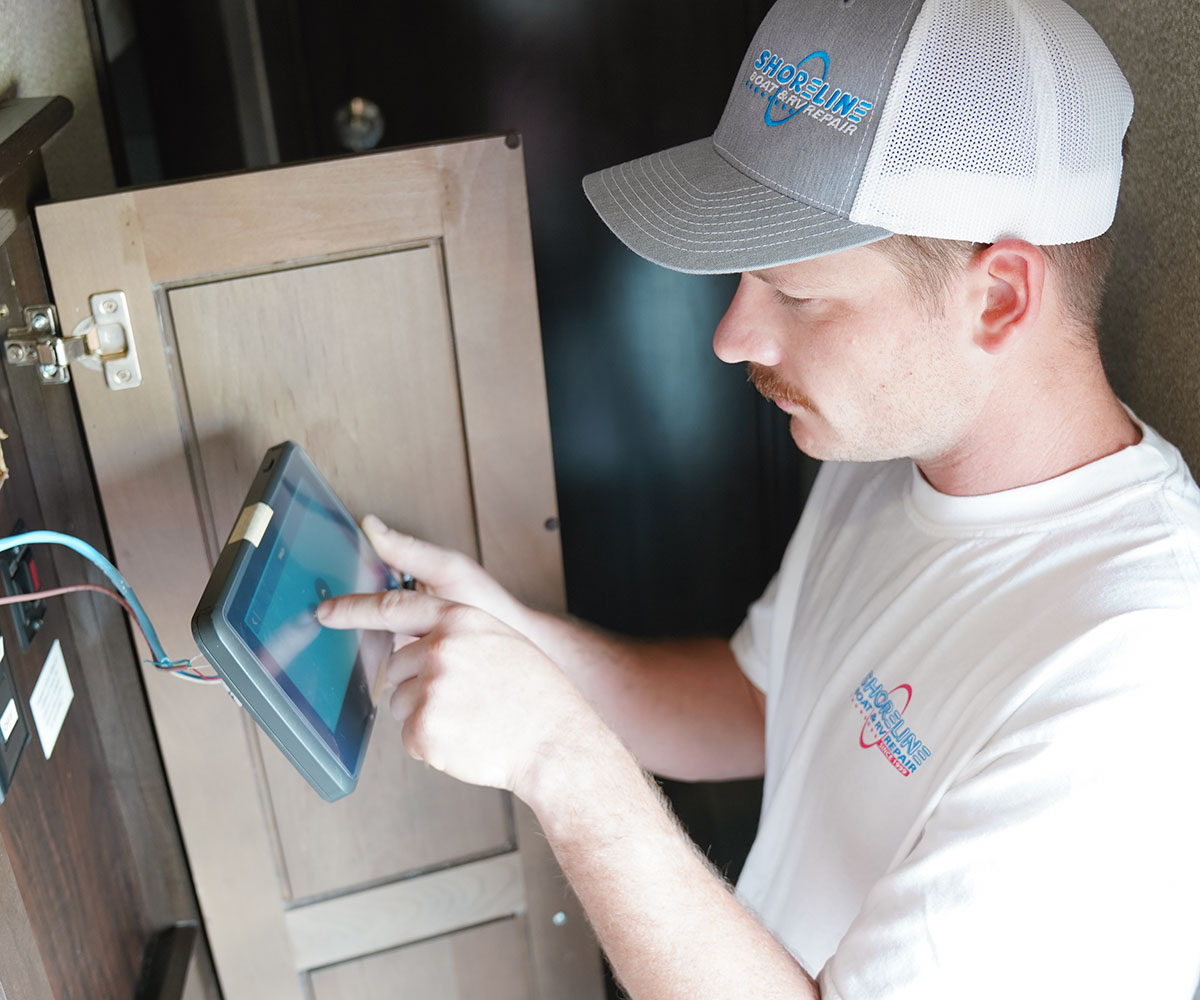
(123, 595)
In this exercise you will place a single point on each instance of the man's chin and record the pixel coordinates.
(817, 440)
(805, 437)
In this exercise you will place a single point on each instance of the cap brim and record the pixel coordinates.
(688, 209)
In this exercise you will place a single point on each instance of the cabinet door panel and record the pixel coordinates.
(482, 963)
(392, 407)
(380, 310)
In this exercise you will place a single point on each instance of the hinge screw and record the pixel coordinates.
(559, 919)
(40, 321)
(123, 375)
(48, 371)
(16, 353)
(109, 306)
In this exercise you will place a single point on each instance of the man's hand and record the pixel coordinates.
(445, 573)
(684, 708)
(477, 700)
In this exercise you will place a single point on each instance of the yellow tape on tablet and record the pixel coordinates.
(252, 524)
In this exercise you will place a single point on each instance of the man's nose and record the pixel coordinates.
(747, 330)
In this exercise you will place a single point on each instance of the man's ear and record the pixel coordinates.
(1009, 278)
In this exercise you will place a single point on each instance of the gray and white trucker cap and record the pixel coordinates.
(851, 120)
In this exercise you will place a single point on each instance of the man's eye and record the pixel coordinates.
(788, 300)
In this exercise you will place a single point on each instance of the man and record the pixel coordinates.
(965, 683)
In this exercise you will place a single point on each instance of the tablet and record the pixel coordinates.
(308, 687)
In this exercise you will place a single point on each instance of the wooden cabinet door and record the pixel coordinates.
(380, 311)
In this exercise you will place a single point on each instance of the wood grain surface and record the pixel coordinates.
(401, 912)
(482, 962)
(222, 243)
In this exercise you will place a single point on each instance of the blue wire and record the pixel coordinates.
(109, 570)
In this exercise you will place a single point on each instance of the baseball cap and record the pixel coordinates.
(851, 120)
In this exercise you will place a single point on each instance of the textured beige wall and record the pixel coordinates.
(1151, 326)
(1151, 330)
(44, 52)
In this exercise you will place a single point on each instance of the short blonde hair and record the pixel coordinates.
(928, 265)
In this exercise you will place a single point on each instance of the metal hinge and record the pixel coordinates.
(102, 341)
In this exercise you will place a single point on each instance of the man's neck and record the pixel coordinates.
(1018, 442)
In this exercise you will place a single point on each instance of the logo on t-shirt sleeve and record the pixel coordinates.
(884, 725)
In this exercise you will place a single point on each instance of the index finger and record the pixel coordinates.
(408, 612)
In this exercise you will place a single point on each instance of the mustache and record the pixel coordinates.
(773, 386)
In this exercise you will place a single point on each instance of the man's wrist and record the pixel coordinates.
(545, 629)
(571, 773)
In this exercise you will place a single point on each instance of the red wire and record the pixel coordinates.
(38, 595)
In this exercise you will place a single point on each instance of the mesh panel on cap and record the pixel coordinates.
(1005, 118)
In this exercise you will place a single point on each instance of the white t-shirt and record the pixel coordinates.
(983, 724)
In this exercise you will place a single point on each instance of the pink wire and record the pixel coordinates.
(38, 595)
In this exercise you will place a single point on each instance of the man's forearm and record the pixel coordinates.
(478, 700)
(683, 707)
(669, 925)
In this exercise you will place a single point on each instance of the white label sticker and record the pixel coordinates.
(8, 721)
(52, 696)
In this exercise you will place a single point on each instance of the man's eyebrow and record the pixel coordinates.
(800, 289)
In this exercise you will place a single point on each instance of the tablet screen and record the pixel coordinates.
(310, 552)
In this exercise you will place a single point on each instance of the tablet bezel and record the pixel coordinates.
(329, 759)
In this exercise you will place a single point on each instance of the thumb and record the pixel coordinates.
(427, 562)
